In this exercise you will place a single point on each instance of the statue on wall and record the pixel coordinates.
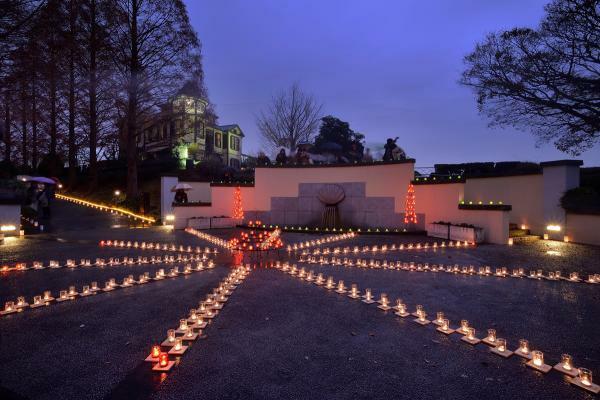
(393, 151)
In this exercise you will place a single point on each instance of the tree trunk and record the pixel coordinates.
(132, 184)
(53, 96)
(24, 124)
(7, 138)
(93, 88)
(34, 134)
(72, 149)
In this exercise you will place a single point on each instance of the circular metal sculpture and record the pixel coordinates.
(331, 195)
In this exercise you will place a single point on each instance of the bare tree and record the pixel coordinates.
(545, 80)
(155, 48)
(292, 117)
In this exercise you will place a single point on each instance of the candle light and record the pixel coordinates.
(340, 287)
(439, 320)
(523, 350)
(9, 308)
(368, 297)
(445, 327)
(566, 366)
(490, 338)
(354, 293)
(163, 364)
(63, 296)
(537, 362)
(421, 318)
(401, 309)
(500, 348)
(464, 325)
(154, 354)
(470, 336)
(384, 302)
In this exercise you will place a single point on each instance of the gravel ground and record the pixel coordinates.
(280, 337)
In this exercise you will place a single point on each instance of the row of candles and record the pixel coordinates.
(208, 237)
(256, 241)
(581, 377)
(47, 299)
(190, 328)
(101, 207)
(318, 242)
(102, 262)
(386, 248)
(128, 244)
(501, 272)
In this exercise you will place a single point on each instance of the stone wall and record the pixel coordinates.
(356, 210)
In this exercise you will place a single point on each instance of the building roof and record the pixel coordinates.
(226, 128)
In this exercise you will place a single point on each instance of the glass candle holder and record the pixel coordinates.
(63, 294)
(501, 344)
(585, 376)
(464, 325)
(72, 290)
(341, 285)
(471, 333)
(47, 295)
(537, 357)
(402, 308)
(445, 324)
(163, 359)
(440, 317)
(183, 324)
(524, 346)
(193, 314)
(9, 306)
(422, 316)
(566, 361)
(491, 336)
(171, 335)
(368, 295)
(86, 289)
(189, 333)
(37, 300)
(155, 352)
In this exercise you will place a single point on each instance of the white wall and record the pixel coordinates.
(382, 180)
(583, 228)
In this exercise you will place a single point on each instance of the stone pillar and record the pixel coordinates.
(559, 176)
(166, 196)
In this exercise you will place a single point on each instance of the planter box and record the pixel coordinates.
(471, 235)
(198, 223)
(454, 232)
(438, 231)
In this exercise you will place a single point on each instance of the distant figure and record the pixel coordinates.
(367, 157)
(389, 147)
(398, 153)
(302, 157)
(181, 196)
(262, 160)
(44, 203)
(356, 152)
(281, 157)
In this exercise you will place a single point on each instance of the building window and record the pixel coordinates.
(218, 140)
(234, 143)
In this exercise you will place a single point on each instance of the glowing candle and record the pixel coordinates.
(37, 300)
(72, 291)
(470, 333)
(171, 335)
(368, 295)
(537, 358)
(524, 346)
(501, 345)
(178, 344)
(354, 290)
(464, 326)
(445, 324)
(585, 376)
(9, 306)
(440, 317)
(163, 359)
(566, 361)
(183, 324)
(47, 295)
(155, 352)
(86, 290)
(189, 333)
(422, 316)
(63, 294)
(491, 337)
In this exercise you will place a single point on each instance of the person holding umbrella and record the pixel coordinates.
(180, 193)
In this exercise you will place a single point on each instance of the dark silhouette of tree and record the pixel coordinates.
(291, 118)
(334, 130)
(546, 80)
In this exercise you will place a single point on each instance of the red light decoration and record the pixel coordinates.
(155, 351)
(163, 359)
(238, 210)
(410, 217)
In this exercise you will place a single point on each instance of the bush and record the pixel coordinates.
(583, 200)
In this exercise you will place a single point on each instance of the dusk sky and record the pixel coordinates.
(388, 67)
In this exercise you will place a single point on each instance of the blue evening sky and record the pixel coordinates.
(389, 67)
